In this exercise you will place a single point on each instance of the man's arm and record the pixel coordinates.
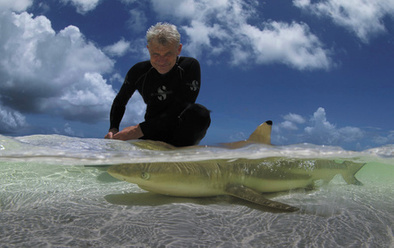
(192, 79)
(119, 107)
(119, 104)
(129, 133)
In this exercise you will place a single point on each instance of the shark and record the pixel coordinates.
(247, 179)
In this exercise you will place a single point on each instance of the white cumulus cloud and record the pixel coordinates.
(15, 5)
(11, 120)
(317, 130)
(291, 121)
(292, 44)
(288, 125)
(224, 27)
(294, 118)
(321, 131)
(48, 72)
(86, 101)
(83, 6)
(137, 21)
(118, 49)
(387, 139)
(362, 17)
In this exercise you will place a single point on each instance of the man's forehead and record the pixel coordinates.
(155, 46)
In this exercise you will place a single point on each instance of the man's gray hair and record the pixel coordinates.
(163, 33)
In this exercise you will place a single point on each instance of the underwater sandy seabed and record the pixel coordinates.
(48, 198)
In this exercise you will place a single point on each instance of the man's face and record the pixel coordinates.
(163, 57)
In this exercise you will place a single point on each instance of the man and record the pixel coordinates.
(169, 85)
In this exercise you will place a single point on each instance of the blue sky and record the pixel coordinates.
(320, 70)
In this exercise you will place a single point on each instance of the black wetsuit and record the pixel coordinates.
(171, 115)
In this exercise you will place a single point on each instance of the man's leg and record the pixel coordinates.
(193, 123)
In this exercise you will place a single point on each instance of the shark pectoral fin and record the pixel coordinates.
(248, 194)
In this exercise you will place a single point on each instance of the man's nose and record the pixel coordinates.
(161, 59)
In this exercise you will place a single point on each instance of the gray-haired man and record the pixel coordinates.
(169, 85)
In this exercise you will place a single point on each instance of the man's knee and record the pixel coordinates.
(194, 122)
(195, 117)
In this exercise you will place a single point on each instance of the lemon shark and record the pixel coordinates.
(242, 178)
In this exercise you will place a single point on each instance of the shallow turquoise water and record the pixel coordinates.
(48, 198)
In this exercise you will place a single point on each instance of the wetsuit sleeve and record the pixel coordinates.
(192, 79)
(119, 104)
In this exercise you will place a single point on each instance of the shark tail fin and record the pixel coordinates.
(262, 134)
(354, 168)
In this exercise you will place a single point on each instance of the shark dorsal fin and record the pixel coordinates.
(262, 134)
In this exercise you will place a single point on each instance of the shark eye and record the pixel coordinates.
(145, 175)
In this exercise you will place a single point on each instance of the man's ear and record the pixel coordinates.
(179, 49)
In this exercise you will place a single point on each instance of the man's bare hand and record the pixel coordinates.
(111, 133)
(129, 133)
